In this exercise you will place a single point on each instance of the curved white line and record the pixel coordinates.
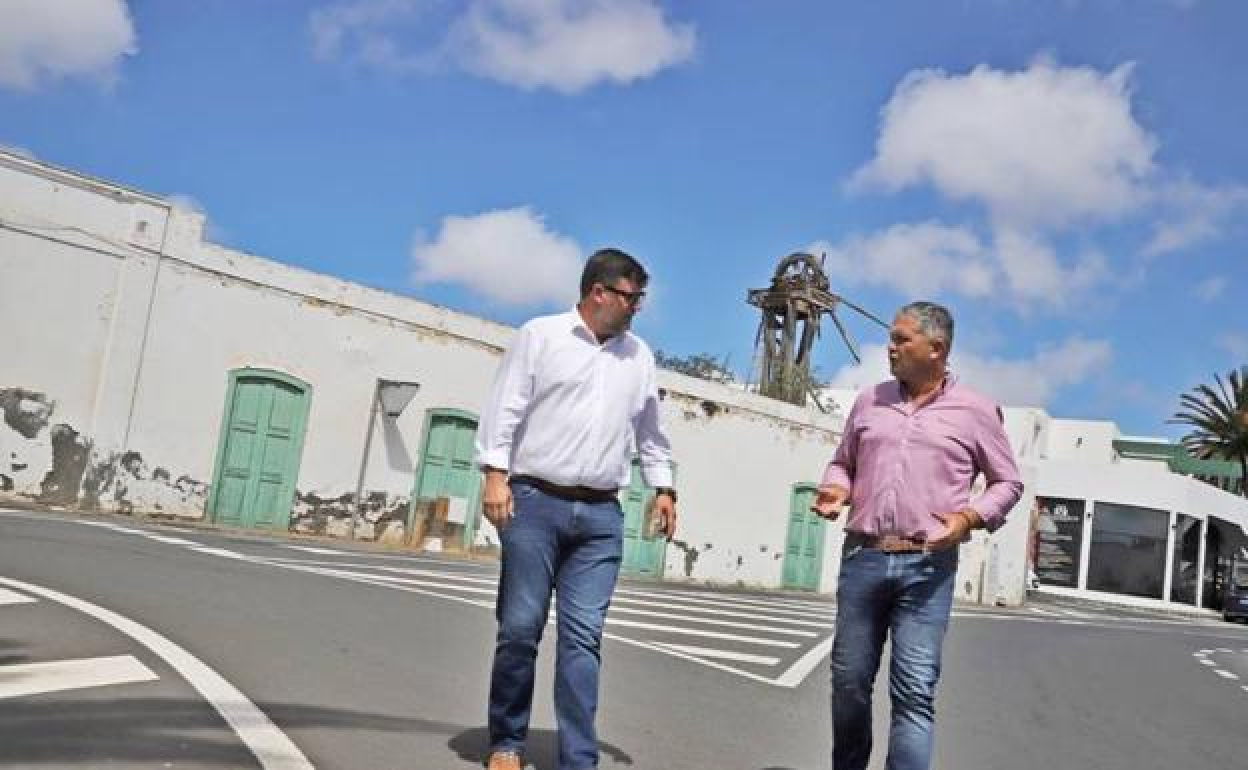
(270, 745)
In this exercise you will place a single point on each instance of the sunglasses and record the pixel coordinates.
(631, 297)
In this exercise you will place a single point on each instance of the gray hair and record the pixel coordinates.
(934, 320)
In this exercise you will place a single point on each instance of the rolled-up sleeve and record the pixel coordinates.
(508, 402)
(653, 446)
(995, 459)
(841, 469)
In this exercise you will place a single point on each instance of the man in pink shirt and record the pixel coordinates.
(912, 448)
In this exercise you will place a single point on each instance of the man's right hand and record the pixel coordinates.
(830, 500)
(496, 500)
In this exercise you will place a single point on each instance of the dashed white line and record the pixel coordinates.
(314, 549)
(58, 676)
(1225, 674)
(167, 539)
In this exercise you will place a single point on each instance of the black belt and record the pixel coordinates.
(577, 494)
(887, 543)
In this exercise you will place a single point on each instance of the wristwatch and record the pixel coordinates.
(666, 491)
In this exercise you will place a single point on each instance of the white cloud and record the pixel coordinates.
(1034, 272)
(1191, 213)
(1012, 382)
(1043, 147)
(46, 40)
(565, 45)
(1236, 344)
(507, 255)
(918, 260)
(1211, 288)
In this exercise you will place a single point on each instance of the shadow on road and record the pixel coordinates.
(542, 750)
(9, 653)
(95, 731)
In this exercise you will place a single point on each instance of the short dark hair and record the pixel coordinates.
(607, 266)
(935, 321)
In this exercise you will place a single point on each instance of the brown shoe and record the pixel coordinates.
(504, 760)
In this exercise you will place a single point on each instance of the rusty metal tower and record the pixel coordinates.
(792, 308)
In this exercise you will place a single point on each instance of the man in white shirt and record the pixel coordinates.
(573, 396)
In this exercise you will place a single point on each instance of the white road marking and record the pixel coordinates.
(58, 676)
(798, 672)
(1208, 662)
(618, 610)
(12, 597)
(270, 745)
(221, 552)
(1225, 674)
(167, 539)
(321, 551)
(710, 652)
(697, 632)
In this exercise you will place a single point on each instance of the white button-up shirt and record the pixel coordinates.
(568, 409)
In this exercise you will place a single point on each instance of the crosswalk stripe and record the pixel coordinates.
(698, 632)
(822, 623)
(61, 675)
(617, 610)
(734, 603)
(13, 597)
(710, 652)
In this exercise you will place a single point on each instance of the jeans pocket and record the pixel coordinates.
(523, 491)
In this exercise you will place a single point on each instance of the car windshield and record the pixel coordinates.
(1240, 576)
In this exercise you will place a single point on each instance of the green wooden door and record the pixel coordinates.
(803, 552)
(260, 448)
(447, 468)
(642, 557)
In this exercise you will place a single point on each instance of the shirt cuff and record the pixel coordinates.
(835, 474)
(657, 475)
(496, 458)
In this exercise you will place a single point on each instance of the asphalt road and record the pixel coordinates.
(131, 645)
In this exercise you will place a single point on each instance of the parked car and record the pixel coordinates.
(1235, 602)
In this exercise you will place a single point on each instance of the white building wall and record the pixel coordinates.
(134, 359)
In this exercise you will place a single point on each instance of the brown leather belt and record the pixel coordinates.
(576, 494)
(887, 543)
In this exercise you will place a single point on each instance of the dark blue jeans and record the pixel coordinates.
(574, 549)
(907, 596)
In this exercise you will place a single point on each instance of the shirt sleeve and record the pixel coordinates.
(508, 402)
(995, 459)
(844, 464)
(652, 443)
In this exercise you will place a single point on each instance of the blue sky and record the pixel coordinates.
(1071, 178)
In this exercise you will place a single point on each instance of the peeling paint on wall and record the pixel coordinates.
(383, 517)
(55, 464)
(26, 455)
(120, 482)
(690, 552)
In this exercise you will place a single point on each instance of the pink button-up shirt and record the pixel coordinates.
(902, 465)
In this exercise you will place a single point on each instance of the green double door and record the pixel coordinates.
(642, 557)
(803, 551)
(259, 452)
(447, 469)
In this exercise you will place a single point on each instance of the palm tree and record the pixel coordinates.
(1220, 422)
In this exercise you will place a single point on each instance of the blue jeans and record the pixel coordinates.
(907, 596)
(573, 548)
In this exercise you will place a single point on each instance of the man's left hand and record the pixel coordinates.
(957, 525)
(665, 514)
